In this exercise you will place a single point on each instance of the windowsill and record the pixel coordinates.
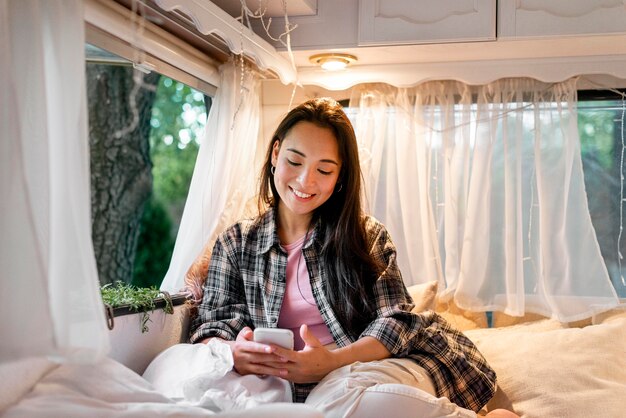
(159, 303)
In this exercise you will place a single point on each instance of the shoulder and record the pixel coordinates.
(373, 227)
(250, 231)
(376, 233)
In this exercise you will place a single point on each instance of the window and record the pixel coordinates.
(601, 129)
(144, 128)
(452, 176)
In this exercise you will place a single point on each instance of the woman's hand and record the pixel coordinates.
(254, 358)
(308, 365)
(314, 361)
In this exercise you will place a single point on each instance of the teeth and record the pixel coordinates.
(301, 195)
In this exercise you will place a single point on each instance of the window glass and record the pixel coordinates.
(144, 133)
(601, 129)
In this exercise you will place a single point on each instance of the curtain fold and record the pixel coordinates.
(223, 184)
(482, 190)
(50, 301)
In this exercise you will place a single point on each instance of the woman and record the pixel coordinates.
(314, 263)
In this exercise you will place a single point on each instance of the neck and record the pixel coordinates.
(292, 227)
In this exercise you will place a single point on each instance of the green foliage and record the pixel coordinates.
(154, 246)
(596, 127)
(137, 299)
(599, 124)
(178, 118)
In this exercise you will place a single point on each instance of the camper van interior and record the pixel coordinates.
(492, 145)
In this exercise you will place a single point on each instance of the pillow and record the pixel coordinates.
(607, 316)
(424, 296)
(545, 370)
(461, 319)
(501, 319)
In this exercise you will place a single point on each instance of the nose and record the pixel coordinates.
(305, 178)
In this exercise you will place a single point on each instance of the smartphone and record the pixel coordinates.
(277, 336)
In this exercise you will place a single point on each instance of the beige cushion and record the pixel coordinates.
(545, 370)
(459, 318)
(619, 312)
(503, 320)
(424, 296)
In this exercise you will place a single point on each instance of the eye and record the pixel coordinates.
(293, 162)
(326, 173)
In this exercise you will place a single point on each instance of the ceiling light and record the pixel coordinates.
(332, 61)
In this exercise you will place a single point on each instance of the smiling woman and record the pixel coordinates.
(306, 167)
(312, 261)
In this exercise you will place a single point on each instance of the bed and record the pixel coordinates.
(545, 369)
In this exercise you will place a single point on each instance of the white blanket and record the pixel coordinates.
(39, 388)
(201, 375)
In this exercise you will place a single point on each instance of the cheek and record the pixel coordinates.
(283, 172)
(329, 185)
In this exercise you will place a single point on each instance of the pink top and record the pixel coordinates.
(299, 305)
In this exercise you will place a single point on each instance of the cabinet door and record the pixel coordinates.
(532, 18)
(384, 22)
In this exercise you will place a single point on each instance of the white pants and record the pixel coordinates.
(395, 388)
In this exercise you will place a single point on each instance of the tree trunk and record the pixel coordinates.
(121, 177)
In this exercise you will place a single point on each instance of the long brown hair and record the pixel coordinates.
(352, 270)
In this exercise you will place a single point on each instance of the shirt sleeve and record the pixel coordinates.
(458, 369)
(393, 322)
(223, 311)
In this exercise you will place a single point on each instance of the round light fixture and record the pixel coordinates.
(332, 61)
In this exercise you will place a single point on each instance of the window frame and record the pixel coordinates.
(111, 27)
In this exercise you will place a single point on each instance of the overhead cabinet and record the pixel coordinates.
(353, 23)
(424, 21)
(537, 18)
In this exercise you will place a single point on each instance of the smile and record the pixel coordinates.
(300, 194)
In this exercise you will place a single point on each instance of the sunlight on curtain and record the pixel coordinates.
(49, 293)
(481, 188)
(221, 187)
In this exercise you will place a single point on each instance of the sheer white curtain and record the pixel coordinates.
(225, 175)
(482, 189)
(49, 292)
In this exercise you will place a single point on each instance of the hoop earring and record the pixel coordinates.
(339, 189)
(273, 170)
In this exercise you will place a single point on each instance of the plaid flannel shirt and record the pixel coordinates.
(246, 283)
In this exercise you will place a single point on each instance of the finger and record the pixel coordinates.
(274, 364)
(284, 354)
(254, 347)
(266, 369)
(308, 337)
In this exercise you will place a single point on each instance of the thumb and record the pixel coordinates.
(308, 337)
(246, 334)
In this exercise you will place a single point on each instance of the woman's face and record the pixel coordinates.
(307, 168)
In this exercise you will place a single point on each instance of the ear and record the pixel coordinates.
(275, 150)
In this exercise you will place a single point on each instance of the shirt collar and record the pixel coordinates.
(268, 232)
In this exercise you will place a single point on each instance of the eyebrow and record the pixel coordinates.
(325, 160)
